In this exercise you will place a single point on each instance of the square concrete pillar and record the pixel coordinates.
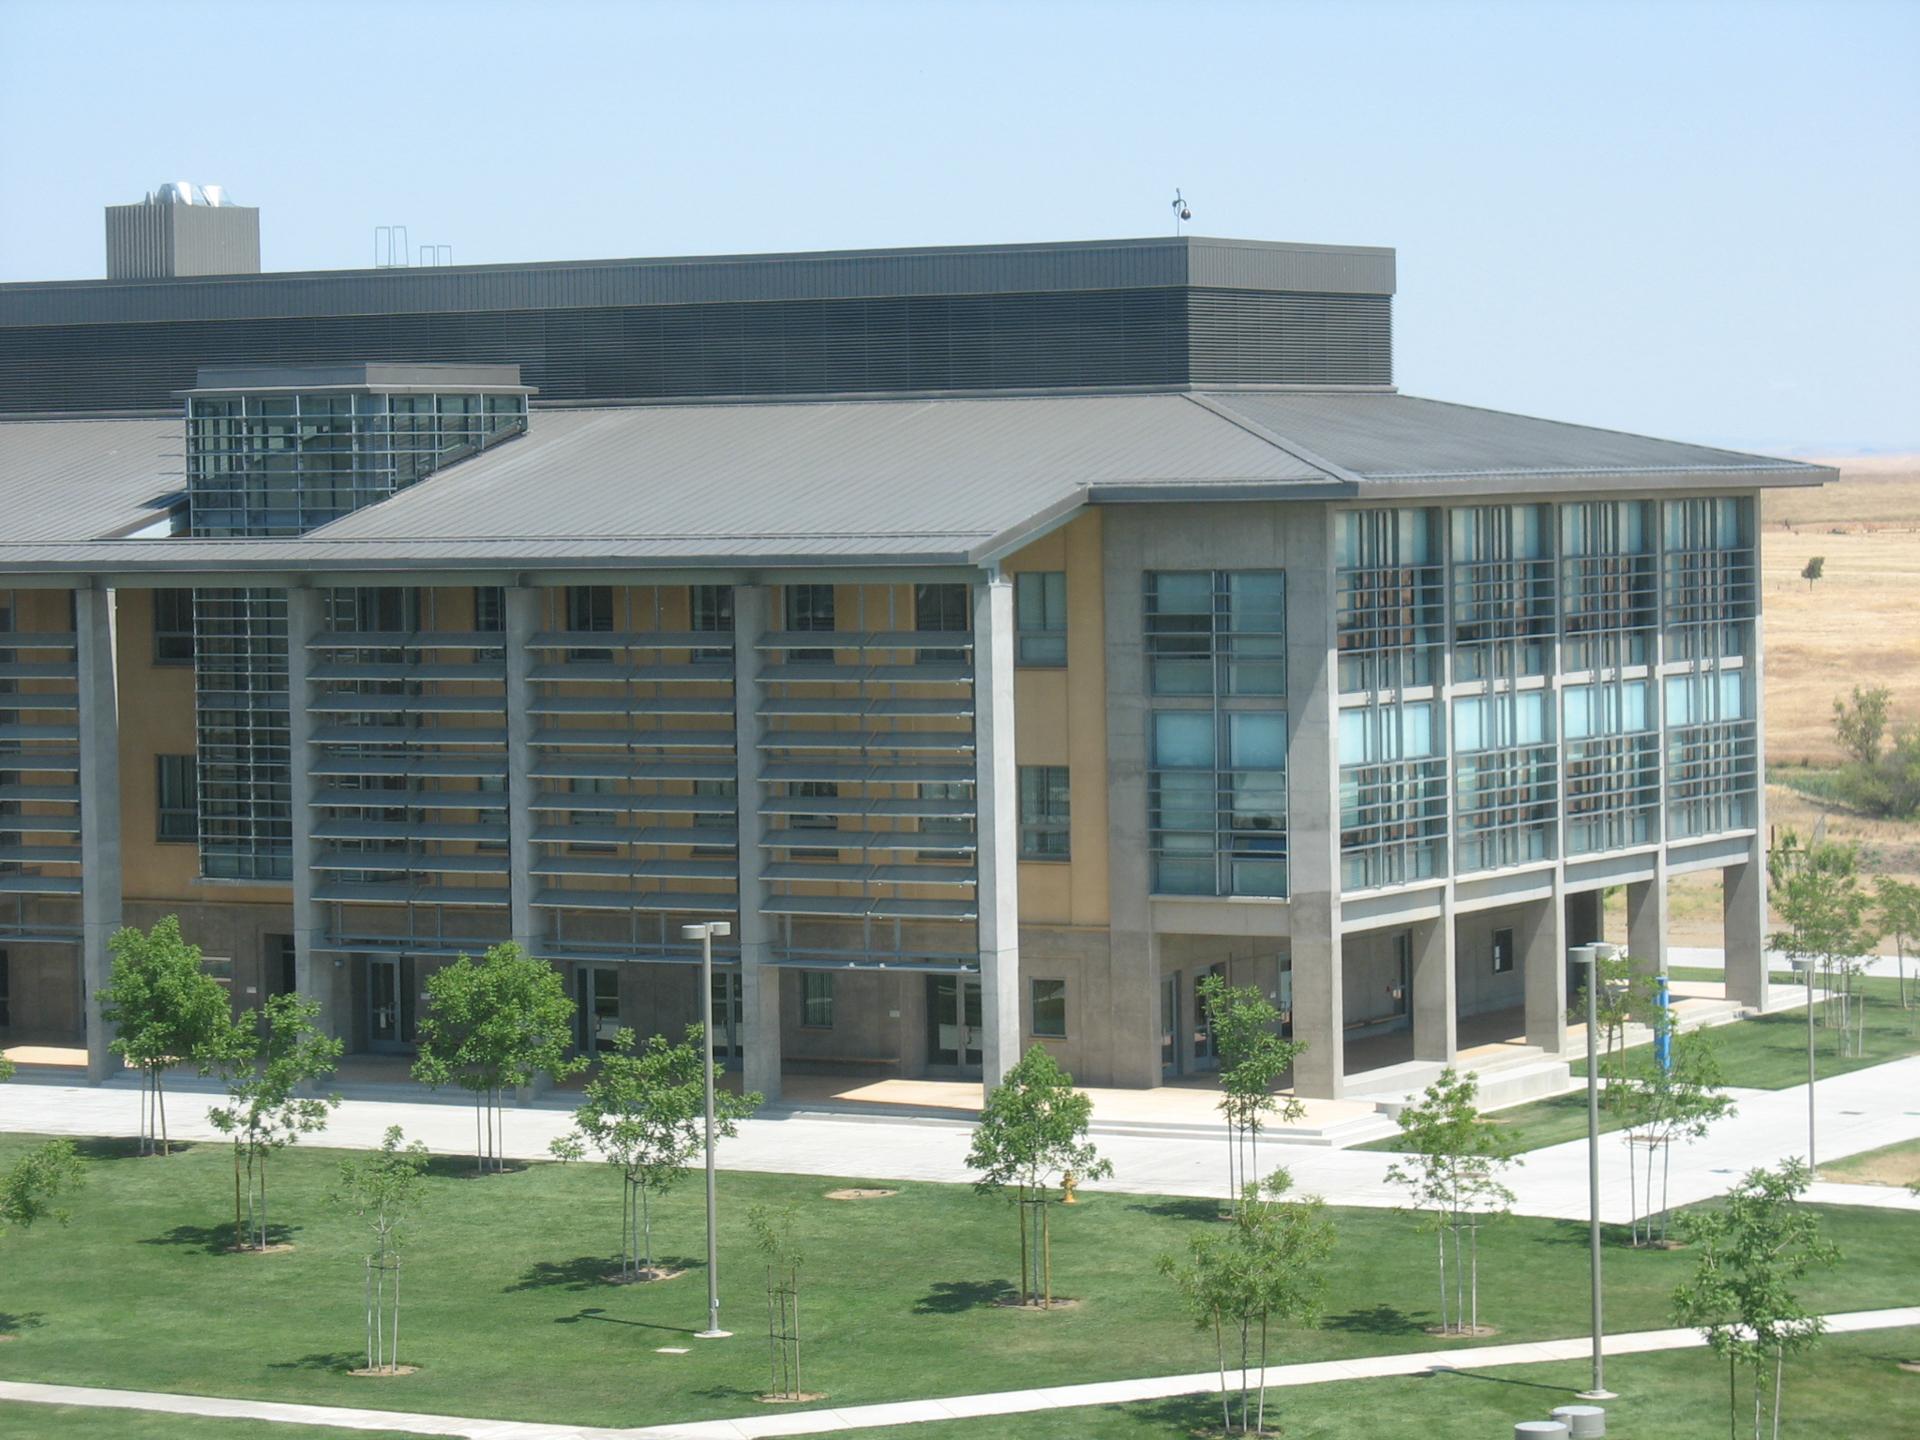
(99, 727)
(522, 615)
(1319, 1017)
(315, 975)
(1543, 956)
(759, 980)
(996, 827)
(1743, 917)
(1647, 921)
(1435, 989)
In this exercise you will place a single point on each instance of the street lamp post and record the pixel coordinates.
(1588, 956)
(1805, 967)
(704, 933)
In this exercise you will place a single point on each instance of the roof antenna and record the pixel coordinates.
(1181, 210)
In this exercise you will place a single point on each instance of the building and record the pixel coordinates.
(1002, 638)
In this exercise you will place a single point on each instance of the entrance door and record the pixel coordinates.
(729, 1009)
(954, 1023)
(599, 1007)
(390, 1002)
(1170, 1027)
(1206, 1055)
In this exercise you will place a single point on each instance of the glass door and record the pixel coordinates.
(598, 1014)
(729, 1009)
(390, 1001)
(955, 1024)
(1206, 1055)
(1169, 1027)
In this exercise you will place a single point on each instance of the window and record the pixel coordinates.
(279, 964)
(1389, 599)
(1502, 951)
(590, 608)
(809, 608)
(946, 808)
(816, 1000)
(825, 820)
(178, 816)
(713, 819)
(711, 609)
(173, 627)
(592, 819)
(1049, 1008)
(1044, 809)
(1216, 632)
(940, 609)
(489, 609)
(1040, 617)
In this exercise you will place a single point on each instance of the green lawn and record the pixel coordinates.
(506, 1314)
(85, 1422)
(1768, 1052)
(1850, 1387)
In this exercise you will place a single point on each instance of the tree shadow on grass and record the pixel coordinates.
(1379, 1320)
(119, 1147)
(954, 1297)
(338, 1361)
(218, 1239)
(17, 1324)
(1197, 1207)
(587, 1272)
(731, 1394)
(458, 1167)
(1575, 1232)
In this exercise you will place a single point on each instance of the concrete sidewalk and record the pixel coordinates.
(909, 1412)
(1861, 1111)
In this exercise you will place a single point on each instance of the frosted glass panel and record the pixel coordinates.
(1416, 732)
(1183, 741)
(1257, 742)
(1530, 718)
(1470, 724)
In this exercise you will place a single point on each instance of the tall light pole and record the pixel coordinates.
(1588, 956)
(1805, 967)
(704, 933)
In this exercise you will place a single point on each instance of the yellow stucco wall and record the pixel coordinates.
(1060, 718)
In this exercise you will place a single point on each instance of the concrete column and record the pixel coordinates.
(759, 980)
(1131, 1000)
(1435, 988)
(314, 975)
(99, 724)
(1647, 920)
(996, 826)
(1313, 803)
(522, 613)
(1542, 942)
(1743, 912)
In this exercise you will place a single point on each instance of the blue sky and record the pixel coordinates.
(1691, 219)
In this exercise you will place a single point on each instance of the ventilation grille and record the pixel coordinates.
(973, 342)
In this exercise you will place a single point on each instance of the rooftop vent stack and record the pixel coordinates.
(182, 229)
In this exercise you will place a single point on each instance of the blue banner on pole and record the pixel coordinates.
(1663, 1035)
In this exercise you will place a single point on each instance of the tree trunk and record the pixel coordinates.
(1025, 1268)
(1440, 1234)
(1473, 1250)
(1046, 1255)
(1220, 1358)
(239, 1234)
(160, 1103)
(263, 1200)
(1260, 1418)
(646, 1226)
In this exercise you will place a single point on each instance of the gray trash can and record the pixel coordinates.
(1540, 1430)
(1583, 1422)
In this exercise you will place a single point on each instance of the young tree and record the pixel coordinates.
(164, 1009)
(33, 1186)
(1750, 1250)
(493, 1026)
(1267, 1269)
(645, 1115)
(1253, 1057)
(1453, 1175)
(1033, 1130)
(1862, 725)
(383, 1188)
(6, 1068)
(268, 1063)
(1814, 569)
(1898, 903)
(773, 1236)
(1624, 995)
(1816, 892)
(1667, 1104)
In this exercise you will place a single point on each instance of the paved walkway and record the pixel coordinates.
(910, 1412)
(1861, 1111)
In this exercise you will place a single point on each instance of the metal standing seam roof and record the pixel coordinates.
(64, 480)
(855, 482)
